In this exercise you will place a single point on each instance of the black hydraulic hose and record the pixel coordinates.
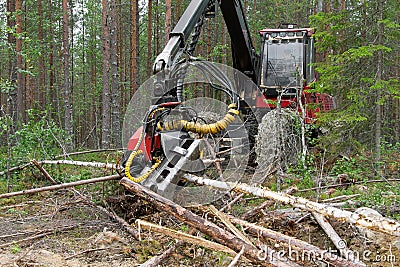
(195, 36)
(221, 77)
(208, 70)
(179, 86)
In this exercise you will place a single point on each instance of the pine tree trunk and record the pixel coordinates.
(134, 47)
(82, 121)
(94, 140)
(397, 101)
(106, 109)
(12, 64)
(168, 19)
(41, 67)
(67, 88)
(379, 77)
(52, 98)
(178, 9)
(121, 62)
(72, 74)
(20, 63)
(149, 37)
(115, 99)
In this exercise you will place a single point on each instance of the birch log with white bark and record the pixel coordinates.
(110, 166)
(61, 186)
(384, 225)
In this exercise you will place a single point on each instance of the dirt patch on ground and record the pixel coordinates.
(60, 229)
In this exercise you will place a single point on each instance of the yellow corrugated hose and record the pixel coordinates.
(144, 176)
(137, 152)
(198, 128)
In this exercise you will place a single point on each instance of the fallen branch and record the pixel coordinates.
(384, 225)
(340, 198)
(16, 168)
(84, 252)
(236, 259)
(294, 244)
(45, 233)
(111, 215)
(339, 243)
(19, 234)
(61, 186)
(88, 152)
(45, 173)
(116, 218)
(24, 240)
(68, 162)
(348, 184)
(155, 261)
(83, 163)
(229, 205)
(19, 205)
(254, 211)
(199, 241)
(222, 216)
(205, 226)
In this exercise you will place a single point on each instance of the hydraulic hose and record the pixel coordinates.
(198, 128)
(137, 152)
(144, 176)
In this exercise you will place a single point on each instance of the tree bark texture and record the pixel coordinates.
(134, 46)
(168, 19)
(20, 62)
(105, 108)
(223, 237)
(41, 70)
(379, 77)
(115, 97)
(11, 99)
(149, 37)
(68, 109)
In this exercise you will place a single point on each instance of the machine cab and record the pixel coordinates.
(287, 54)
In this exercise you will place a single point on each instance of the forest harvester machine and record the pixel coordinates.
(178, 136)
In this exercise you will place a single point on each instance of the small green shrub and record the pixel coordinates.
(38, 138)
(15, 249)
(358, 167)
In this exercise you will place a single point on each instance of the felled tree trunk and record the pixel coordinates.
(205, 226)
(383, 225)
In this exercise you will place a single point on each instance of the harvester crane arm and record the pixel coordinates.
(244, 55)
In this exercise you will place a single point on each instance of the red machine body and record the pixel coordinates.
(149, 144)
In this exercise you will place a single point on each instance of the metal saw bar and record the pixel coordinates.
(164, 180)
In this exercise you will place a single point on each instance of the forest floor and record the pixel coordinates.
(60, 229)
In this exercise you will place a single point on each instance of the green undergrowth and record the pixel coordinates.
(40, 138)
(367, 182)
